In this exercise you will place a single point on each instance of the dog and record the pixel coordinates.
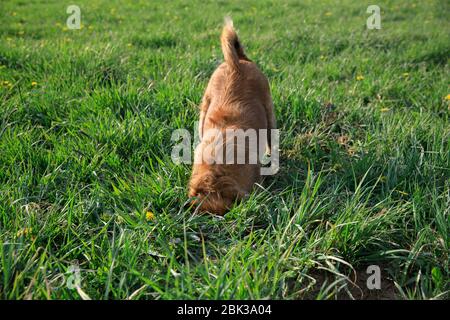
(237, 98)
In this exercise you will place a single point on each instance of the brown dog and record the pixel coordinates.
(237, 97)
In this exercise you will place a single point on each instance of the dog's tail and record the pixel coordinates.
(231, 47)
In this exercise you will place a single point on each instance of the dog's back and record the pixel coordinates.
(237, 91)
(237, 98)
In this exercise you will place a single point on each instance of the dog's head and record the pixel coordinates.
(212, 191)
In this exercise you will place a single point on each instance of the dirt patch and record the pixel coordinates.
(352, 287)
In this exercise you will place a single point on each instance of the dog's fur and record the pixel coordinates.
(237, 97)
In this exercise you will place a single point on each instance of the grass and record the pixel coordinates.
(85, 152)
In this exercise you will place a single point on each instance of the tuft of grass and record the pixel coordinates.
(85, 125)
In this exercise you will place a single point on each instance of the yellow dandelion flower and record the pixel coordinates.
(447, 97)
(24, 232)
(359, 77)
(384, 109)
(149, 216)
(7, 84)
(33, 83)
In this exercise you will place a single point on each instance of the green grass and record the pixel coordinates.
(86, 151)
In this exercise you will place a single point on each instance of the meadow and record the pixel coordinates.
(92, 206)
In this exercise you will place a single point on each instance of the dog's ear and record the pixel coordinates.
(212, 203)
(201, 183)
(228, 191)
(215, 203)
(214, 194)
(229, 188)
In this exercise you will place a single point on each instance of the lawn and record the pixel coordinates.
(92, 206)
